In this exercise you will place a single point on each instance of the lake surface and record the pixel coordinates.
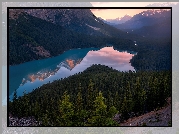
(33, 74)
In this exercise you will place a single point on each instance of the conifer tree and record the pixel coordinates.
(66, 111)
(116, 99)
(80, 114)
(25, 104)
(79, 101)
(45, 119)
(99, 115)
(36, 110)
(90, 95)
(112, 111)
(15, 104)
(124, 108)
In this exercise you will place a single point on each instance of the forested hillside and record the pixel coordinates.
(94, 97)
(153, 54)
(100, 93)
(31, 38)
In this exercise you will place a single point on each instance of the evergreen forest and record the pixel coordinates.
(93, 97)
(99, 94)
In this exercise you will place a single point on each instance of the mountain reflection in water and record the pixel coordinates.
(41, 75)
(69, 63)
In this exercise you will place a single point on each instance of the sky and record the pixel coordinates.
(115, 13)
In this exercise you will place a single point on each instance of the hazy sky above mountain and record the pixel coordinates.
(115, 13)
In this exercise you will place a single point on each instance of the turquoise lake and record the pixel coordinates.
(30, 75)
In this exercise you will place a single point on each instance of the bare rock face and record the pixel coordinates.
(161, 117)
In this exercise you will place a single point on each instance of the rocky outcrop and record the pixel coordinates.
(161, 117)
(24, 121)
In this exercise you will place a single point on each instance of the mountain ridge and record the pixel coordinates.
(75, 20)
(31, 35)
(145, 18)
(118, 20)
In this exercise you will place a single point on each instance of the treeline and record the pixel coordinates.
(94, 97)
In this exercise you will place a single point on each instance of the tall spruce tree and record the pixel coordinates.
(66, 111)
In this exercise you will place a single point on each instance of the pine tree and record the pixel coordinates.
(137, 98)
(90, 96)
(99, 115)
(15, 104)
(100, 107)
(80, 114)
(45, 119)
(79, 101)
(112, 111)
(66, 111)
(116, 100)
(124, 108)
(144, 98)
(36, 110)
(26, 101)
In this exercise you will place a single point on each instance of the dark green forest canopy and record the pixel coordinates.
(93, 97)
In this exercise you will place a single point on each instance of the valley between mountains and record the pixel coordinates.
(111, 72)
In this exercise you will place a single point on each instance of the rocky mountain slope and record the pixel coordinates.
(41, 33)
(158, 30)
(118, 20)
(151, 23)
(161, 117)
(146, 18)
(78, 20)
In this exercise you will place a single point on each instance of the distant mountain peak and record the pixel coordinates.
(125, 18)
(153, 12)
(119, 20)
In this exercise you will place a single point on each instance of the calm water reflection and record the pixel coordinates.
(30, 75)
